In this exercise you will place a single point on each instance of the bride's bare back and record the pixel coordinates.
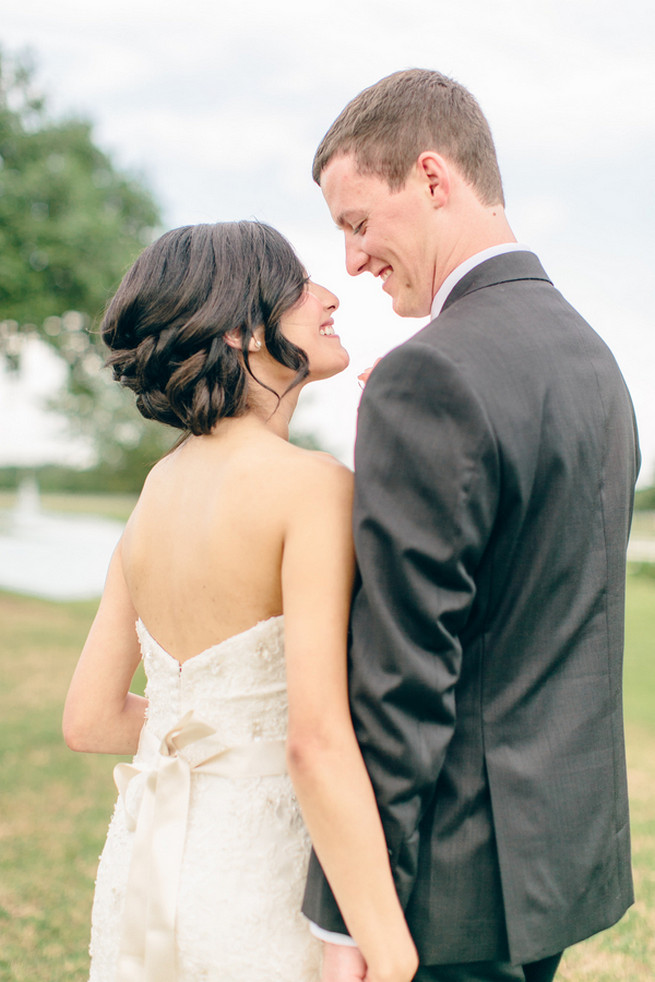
(202, 553)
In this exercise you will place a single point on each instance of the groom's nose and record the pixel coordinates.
(356, 258)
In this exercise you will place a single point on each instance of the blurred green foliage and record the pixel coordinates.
(70, 223)
(70, 226)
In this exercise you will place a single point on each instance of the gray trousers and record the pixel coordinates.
(541, 971)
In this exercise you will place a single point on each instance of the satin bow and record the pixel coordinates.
(147, 949)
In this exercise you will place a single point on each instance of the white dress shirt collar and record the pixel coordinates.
(444, 290)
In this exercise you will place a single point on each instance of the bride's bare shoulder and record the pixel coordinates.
(277, 475)
(314, 478)
(315, 462)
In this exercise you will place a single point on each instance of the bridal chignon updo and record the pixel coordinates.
(166, 326)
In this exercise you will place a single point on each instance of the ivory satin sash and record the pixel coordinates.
(147, 948)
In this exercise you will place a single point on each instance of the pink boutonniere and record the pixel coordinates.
(365, 375)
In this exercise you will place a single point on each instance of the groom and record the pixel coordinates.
(496, 458)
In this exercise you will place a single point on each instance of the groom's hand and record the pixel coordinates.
(342, 963)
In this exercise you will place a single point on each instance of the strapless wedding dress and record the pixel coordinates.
(202, 874)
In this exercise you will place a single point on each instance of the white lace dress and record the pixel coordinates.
(202, 874)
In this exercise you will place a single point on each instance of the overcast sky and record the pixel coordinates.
(219, 108)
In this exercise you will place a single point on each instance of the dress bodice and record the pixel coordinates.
(207, 852)
(237, 686)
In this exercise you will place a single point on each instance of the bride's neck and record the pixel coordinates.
(273, 413)
(274, 418)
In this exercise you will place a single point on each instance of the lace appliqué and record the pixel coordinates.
(246, 848)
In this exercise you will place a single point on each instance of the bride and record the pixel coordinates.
(236, 567)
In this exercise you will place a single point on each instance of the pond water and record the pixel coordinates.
(54, 556)
(65, 557)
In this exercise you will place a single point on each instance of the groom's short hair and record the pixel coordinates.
(390, 123)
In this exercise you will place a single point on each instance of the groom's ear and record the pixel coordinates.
(434, 172)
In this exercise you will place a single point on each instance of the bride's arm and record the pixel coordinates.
(324, 760)
(101, 715)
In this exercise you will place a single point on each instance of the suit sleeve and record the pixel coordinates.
(426, 488)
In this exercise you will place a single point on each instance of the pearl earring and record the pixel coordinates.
(258, 343)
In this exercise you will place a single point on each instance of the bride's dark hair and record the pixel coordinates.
(167, 323)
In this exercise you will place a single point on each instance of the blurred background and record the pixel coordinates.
(119, 121)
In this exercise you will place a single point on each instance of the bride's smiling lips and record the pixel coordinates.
(327, 329)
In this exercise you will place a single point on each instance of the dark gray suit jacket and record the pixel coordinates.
(496, 459)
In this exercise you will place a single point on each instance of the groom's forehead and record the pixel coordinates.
(347, 190)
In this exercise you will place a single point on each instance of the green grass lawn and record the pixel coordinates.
(55, 805)
(643, 524)
(626, 953)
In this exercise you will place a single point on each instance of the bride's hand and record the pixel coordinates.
(402, 969)
(342, 963)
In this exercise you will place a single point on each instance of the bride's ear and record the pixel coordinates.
(233, 338)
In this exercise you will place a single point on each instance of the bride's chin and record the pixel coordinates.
(345, 361)
(336, 371)
(336, 368)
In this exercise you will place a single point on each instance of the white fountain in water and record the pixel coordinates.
(54, 556)
(28, 503)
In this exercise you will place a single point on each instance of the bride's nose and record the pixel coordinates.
(329, 299)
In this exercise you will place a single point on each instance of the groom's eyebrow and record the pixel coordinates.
(345, 218)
